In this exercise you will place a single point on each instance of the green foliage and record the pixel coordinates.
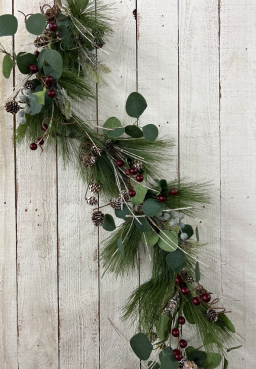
(36, 24)
(141, 346)
(168, 240)
(23, 61)
(168, 362)
(197, 272)
(188, 230)
(65, 36)
(121, 247)
(163, 326)
(140, 194)
(135, 105)
(109, 223)
(152, 207)
(133, 131)
(8, 25)
(150, 132)
(227, 322)
(8, 64)
(149, 238)
(212, 361)
(176, 260)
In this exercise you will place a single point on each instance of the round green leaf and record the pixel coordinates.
(188, 313)
(63, 20)
(189, 350)
(117, 132)
(162, 326)
(134, 131)
(8, 64)
(121, 213)
(8, 25)
(40, 95)
(135, 105)
(150, 132)
(212, 361)
(120, 247)
(40, 59)
(140, 194)
(141, 346)
(152, 207)
(49, 71)
(142, 224)
(35, 108)
(227, 322)
(176, 260)
(65, 36)
(168, 362)
(23, 61)
(111, 123)
(188, 230)
(82, 4)
(48, 103)
(168, 241)
(150, 238)
(198, 357)
(36, 24)
(109, 223)
(167, 350)
(54, 59)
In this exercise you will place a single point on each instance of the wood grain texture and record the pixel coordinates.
(36, 241)
(199, 140)
(8, 301)
(238, 175)
(114, 349)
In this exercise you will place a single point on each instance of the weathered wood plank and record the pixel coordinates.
(8, 301)
(238, 175)
(36, 240)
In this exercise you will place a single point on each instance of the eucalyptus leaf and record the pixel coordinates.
(212, 361)
(48, 103)
(141, 346)
(109, 223)
(168, 241)
(197, 272)
(40, 59)
(49, 71)
(115, 133)
(225, 364)
(188, 230)
(65, 36)
(150, 132)
(188, 313)
(111, 123)
(135, 105)
(140, 194)
(63, 20)
(163, 184)
(189, 350)
(36, 24)
(176, 260)
(54, 59)
(234, 348)
(162, 326)
(167, 350)
(198, 357)
(121, 213)
(133, 131)
(197, 234)
(24, 60)
(149, 238)
(8, 64)
(40, 95)
(227, 322)
(142, 224)
(152, 207)
(120, 247)
(8, 25)
(169, 362)
(82, 4)
(35, 108)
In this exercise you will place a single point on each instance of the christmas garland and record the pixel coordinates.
(124, 170)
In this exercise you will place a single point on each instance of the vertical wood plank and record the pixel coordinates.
(36, 240)
(115, 351)
(199, 120)
(238, 175)
(8, 301)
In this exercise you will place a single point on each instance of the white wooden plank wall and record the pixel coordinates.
(194, 61)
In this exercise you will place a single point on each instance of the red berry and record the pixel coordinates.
(181, 320)
(51, 94)
(184, 291)
(127, 172)
(176, 352)
(183, 343)
(174, 192)
(196, 301)
(139, 178)
(178, 357)
(33, 68)
(53, 26)
(33, 146)
(161, 198)
(206, 297)
(133, 171)
(49, 80)
(175, 332)
(119, 163)
(132, 193)
(36, 53)
(44, 127)
(40, 141)
(178, 280)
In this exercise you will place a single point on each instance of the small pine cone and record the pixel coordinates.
(182, 362)
(95, 149)
(12, 107)
(88, 160)
(190, 365)
(94, 187)
(137, 164)
(91, 200)
(109, 144)
(44, 39)
(116, 203)
(98, 218)
(200, 290)
(212, 315)
(29, 85)
(124, 195)
(186, 277)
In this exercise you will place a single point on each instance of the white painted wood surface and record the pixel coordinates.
(194, 61)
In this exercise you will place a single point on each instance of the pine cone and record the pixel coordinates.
(98, 218)
(95, 149)
(94, 187)
(190, 365)
(116, 203)
(88, 160)
(12, 107)
(200, 290)
(182, 362)
(109, 144)
(29, 85)
(91, 200)
(212, 315)
(186, 277)
(124, 195)
(137, 164)
(44, 39)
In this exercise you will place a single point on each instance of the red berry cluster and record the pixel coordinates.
(39, 141)
(182, 343)
(173, 192)
(131, 172)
